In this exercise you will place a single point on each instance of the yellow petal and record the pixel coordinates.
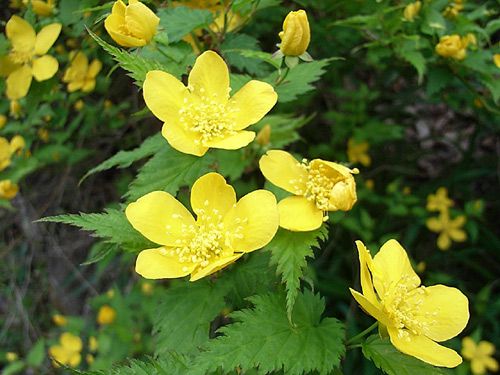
(46, 38)
(444, 241)
(251, 103)
(88, 85)
(141, 21)
(370, 308)
(468, 348)
(152, 264)
(75, 359)
(44, 67)
(19, 82)
(424, 349)
(59, 354)
(75, 85)
(254, 221)
(232, 142)
(434, 224)
(299, 214)
(391, 267)
(211, 195)
(210, 77)
(365, 260)
(123, 39)
(94, 68)
(491, 364)
(486, 348)
(159, 217)
(458, 235)
(478, 367)
(284, 171)
(7, 66)
(164, 95)
(214, 267)
(21, 34)
(183, 140)
(71, 342)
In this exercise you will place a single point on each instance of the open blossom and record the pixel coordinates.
(8, 189)
(439, 201)
(448, 229)
(132, 25)
(416, 317)
(80, 75)
(223, 231)
(480, 356)
(296, 34)
(318, 186)
(452, 46)
(7, 149)
(202, 115)
(67, 351)
(28, 57)
(357, 152)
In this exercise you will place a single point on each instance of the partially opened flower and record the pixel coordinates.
(296, 34)
(7, 149)
(411, 11)
(416, 317)
(80, 75)
(223, 231)
(317, 186)
(28, 57)
(202, 115)
(67, 351)
(43, 8)
(8, 189)
(452, 46)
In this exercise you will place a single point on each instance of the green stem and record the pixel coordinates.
(282, 77)
(362, 334)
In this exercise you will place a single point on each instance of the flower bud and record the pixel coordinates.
(264, 135)
(8, 190)
(451, 46)
(343, 195)
(412, 10)
(496, 59)
(296, 34)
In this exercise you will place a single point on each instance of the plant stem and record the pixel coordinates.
(362, 334)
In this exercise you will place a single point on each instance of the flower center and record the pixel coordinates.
(20, 57)
(318, 186)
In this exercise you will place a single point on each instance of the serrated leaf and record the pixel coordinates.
(98, 252)
(289, 252)
(391, 361)
(184, 315)
(180, 21)
(238, 50)
(417, 59)
(231, 163)
(124, 159)
(263, 338)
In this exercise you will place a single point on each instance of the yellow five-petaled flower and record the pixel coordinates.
(202, 115)
(416, 317)
(28, 57)
(318, 186)
(67, 351)
(480, 355)
(223, 231)
(80, 75)
(449, 229)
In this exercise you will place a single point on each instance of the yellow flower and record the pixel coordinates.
(11, 356)
(80, 75)
(454, 9)
(28, 57)
(42, 8)
(416, 317)
(469, 39)
(264, 135)
(110, 293)
(93, 344)
(147, 288)
(3, 121)
(67, 351)
(318, 186)
(480, 356)
(106, 315)
(496, 59)
(412, 10)
(448, 229)
(59, 320)
(8, 190)
(79, 104)
(7, 149)
(439, 201)
(15, 107)
(89, 358)
(358, 152)
(132, 25)
(296, 34)
(202, 115)
(452, 46)
(223, 231)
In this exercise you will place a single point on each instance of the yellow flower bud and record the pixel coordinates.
(343, 195)
(108, 104)
(412, 10)
(106, 315)
(3, 121)
(89, 358)
(451, 46)
(42, 8)
(469, 39)
(79, 105)
(59, 320)
(93, 344)
(17, 144)
(147, 288)
(15, 108)
(11, 356)
(132, 25)
(496, 59)
(296, 34)
(264, 135)
(8, 190)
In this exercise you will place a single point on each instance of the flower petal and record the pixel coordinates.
(71, 342)
(214, 267)
(88, 85)
(443, 310)
(391, 267)
(299, 214)
(141, 21)
(182, 140)
(46, 38)
(94, 68)
(19, 82)
(468, 348)
(164, 95)
(159, 217)
(232, 142)
(365, 260)
(424, 349)
(284, 171)
(251, 103)
(152, 264)
(370, 308)
(486, 348)
(21, 34)
(7, 66)
(254, 220)
(444, 241)
(44, 67)
(211, 194)
(458, 235)
(122, 39)
(434, 224)
(210, 77)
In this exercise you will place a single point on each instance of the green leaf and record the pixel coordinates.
(184, 315)
(263, 338)
(36, 355)
(289, 252)
(417, 59)
(231, 163)
(283, 129)
(98, 252)
(180, 21)
(240, 50)
(168, 170)
(391, 361)
(124, 159)
(13, 368)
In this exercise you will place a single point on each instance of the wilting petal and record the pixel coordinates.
(46, 38)
(210, 77)
(365, 260)
(284, 171)
(19, 82)
(424, 349)
(211, 195)
(182, 140)
(141, 21)
(164, 95)
(214, 267)
(21, 34)
(370, 308)
(253, 222)
(299, 214)
(444, 311)
(159, 217)
(251, 103)
(232, 142)
(44, 67)
(159, 264)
